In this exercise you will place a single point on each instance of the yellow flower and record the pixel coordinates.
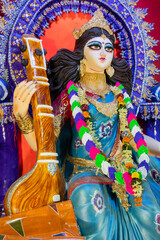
(135, 175)
(122, 103)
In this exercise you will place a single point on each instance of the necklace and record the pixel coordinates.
(108, 109)
(99, 79)
(132, 177)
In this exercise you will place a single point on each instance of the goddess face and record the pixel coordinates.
(98, 54)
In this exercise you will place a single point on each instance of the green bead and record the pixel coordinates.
(120, 86)
(99, 159)
(82, 131)
(72, 88)
(127, 99)
(119, 177)
(133, 123)
(142, 150)
(131, 170)
(140, 175)
(75, 104)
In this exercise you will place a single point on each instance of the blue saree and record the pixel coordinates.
(98, 210)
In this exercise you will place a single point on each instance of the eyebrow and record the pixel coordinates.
(100, 42)
(94, 42)
(108, 44)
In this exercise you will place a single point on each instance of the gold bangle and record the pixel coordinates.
(25, 124)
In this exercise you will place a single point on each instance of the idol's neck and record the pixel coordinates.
(94, 81)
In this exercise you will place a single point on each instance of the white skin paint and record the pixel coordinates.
(98, 54)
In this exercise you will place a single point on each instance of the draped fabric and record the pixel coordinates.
(100, 215)
(98, 210)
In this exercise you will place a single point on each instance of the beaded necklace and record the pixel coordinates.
(132, 177)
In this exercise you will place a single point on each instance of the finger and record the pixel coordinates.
(23, 89)
(29, 96)
(18, 87)
(18, 106)
(28, 92)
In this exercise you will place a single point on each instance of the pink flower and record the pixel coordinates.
(127, 178)
(93, 152)
(140, 143)
(129, 189)
(70, 84)
(131, 117)
(117, 84)
(80, 123)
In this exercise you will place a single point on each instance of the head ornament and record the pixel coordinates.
(97, 20)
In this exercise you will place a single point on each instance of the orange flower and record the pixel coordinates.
(120, 99)
(138, 200)
(125, 139)
(138, 204)
(129, 165)
(86, 114)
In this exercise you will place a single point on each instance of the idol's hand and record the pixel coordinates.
(153, 146)
(22, 97)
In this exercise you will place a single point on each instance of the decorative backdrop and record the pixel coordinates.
(134, 43)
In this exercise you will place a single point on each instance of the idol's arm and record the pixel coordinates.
(31, 139)
(21, 100)
(153, 146)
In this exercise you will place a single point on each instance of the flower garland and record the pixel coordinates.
(132, 177)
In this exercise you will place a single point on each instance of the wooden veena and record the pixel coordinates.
(44, 184)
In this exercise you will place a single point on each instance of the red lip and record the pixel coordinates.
(102, 59)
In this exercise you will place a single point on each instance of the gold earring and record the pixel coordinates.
(82, 68)
(110, 71)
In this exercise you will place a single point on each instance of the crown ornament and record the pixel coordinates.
(97, 20)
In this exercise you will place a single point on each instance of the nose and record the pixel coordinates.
(103, 53)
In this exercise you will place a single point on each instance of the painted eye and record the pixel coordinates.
(95, 47)
(109, 48)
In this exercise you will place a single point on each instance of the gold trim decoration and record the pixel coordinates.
(97, 20)
(25, 124)
(81, 162)
(108, 109)
(121, 194)
(57, 125)
(110, 71)
(82, 68)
